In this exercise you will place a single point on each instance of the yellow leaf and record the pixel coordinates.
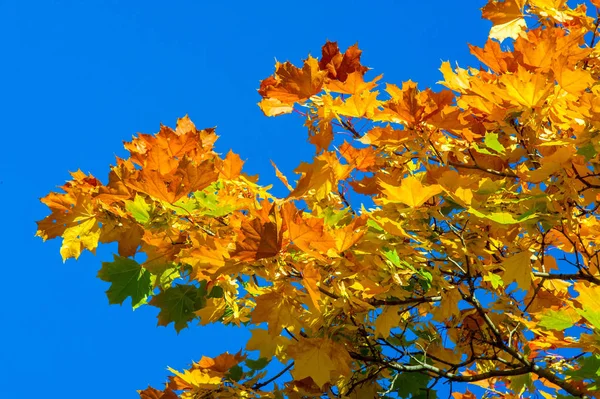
(589, 298)
(507, 17)
(276, 309)
(274, 107)
(411, 192)
(449, 305)
(311, 278)
(455, 81)
(268, 345)
(388, 319)
(527, 88)
(81, 236)
(573, 81)
(518, 268)
(195, 378)
(359, 105)
(312, 359)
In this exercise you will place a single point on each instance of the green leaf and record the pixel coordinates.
(589, 368)
(178, 303)
(425, 279)
(139, 209)
(216, 292)
(488, 186)
(235, 373)
(333, 216)
(482, 150)
(519, 383)
(588, 151)
(556, 320)
(392, 256)
(375, 226)
(165, 279)
(257, 364)
(128, 279)
(591, 315)
(410, 385)
(209, 204)
(491, 141)
(494, 279)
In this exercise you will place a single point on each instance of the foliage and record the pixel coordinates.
(476, 262)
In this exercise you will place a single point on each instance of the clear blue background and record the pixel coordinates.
(80, 77)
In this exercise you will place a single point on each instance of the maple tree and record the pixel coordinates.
(475, 260)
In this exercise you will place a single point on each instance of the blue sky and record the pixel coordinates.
(80, 77)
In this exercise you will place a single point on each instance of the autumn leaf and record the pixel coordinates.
(311, 279)
(411, 192)
(186, 178)
(232, 166)
(338, 65)
(312, 359)
(518, 268)
(276, 309)
(589, 298)
(268, 345)
(259, 238)
(526, 88)
(291, 84)
(389, 318)
(507, 18)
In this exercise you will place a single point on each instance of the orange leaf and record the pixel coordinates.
(232, 166)
(187, 177)
(339, 66)
(507, 18)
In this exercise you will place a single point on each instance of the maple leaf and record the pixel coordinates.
(507, 17)
(232, 166)
(307, 234)
(206, 255)
(526, 88)
(128, 279)
(559, 319)
(178, 303)
(152, 393)
(268, 345)
(128, 236)
(139, 209)
(260, 237)
(338, 65)
(518, 268)
(73, 217)
(312, 358)
(589, 297)
(362, 159)
(276, 308)
(410, 192)
(492, 55)
(389, 318)
(291, 84)
(194, 379)
(185, 178)
(311, 278)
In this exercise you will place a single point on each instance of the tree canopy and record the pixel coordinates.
(436, 237)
